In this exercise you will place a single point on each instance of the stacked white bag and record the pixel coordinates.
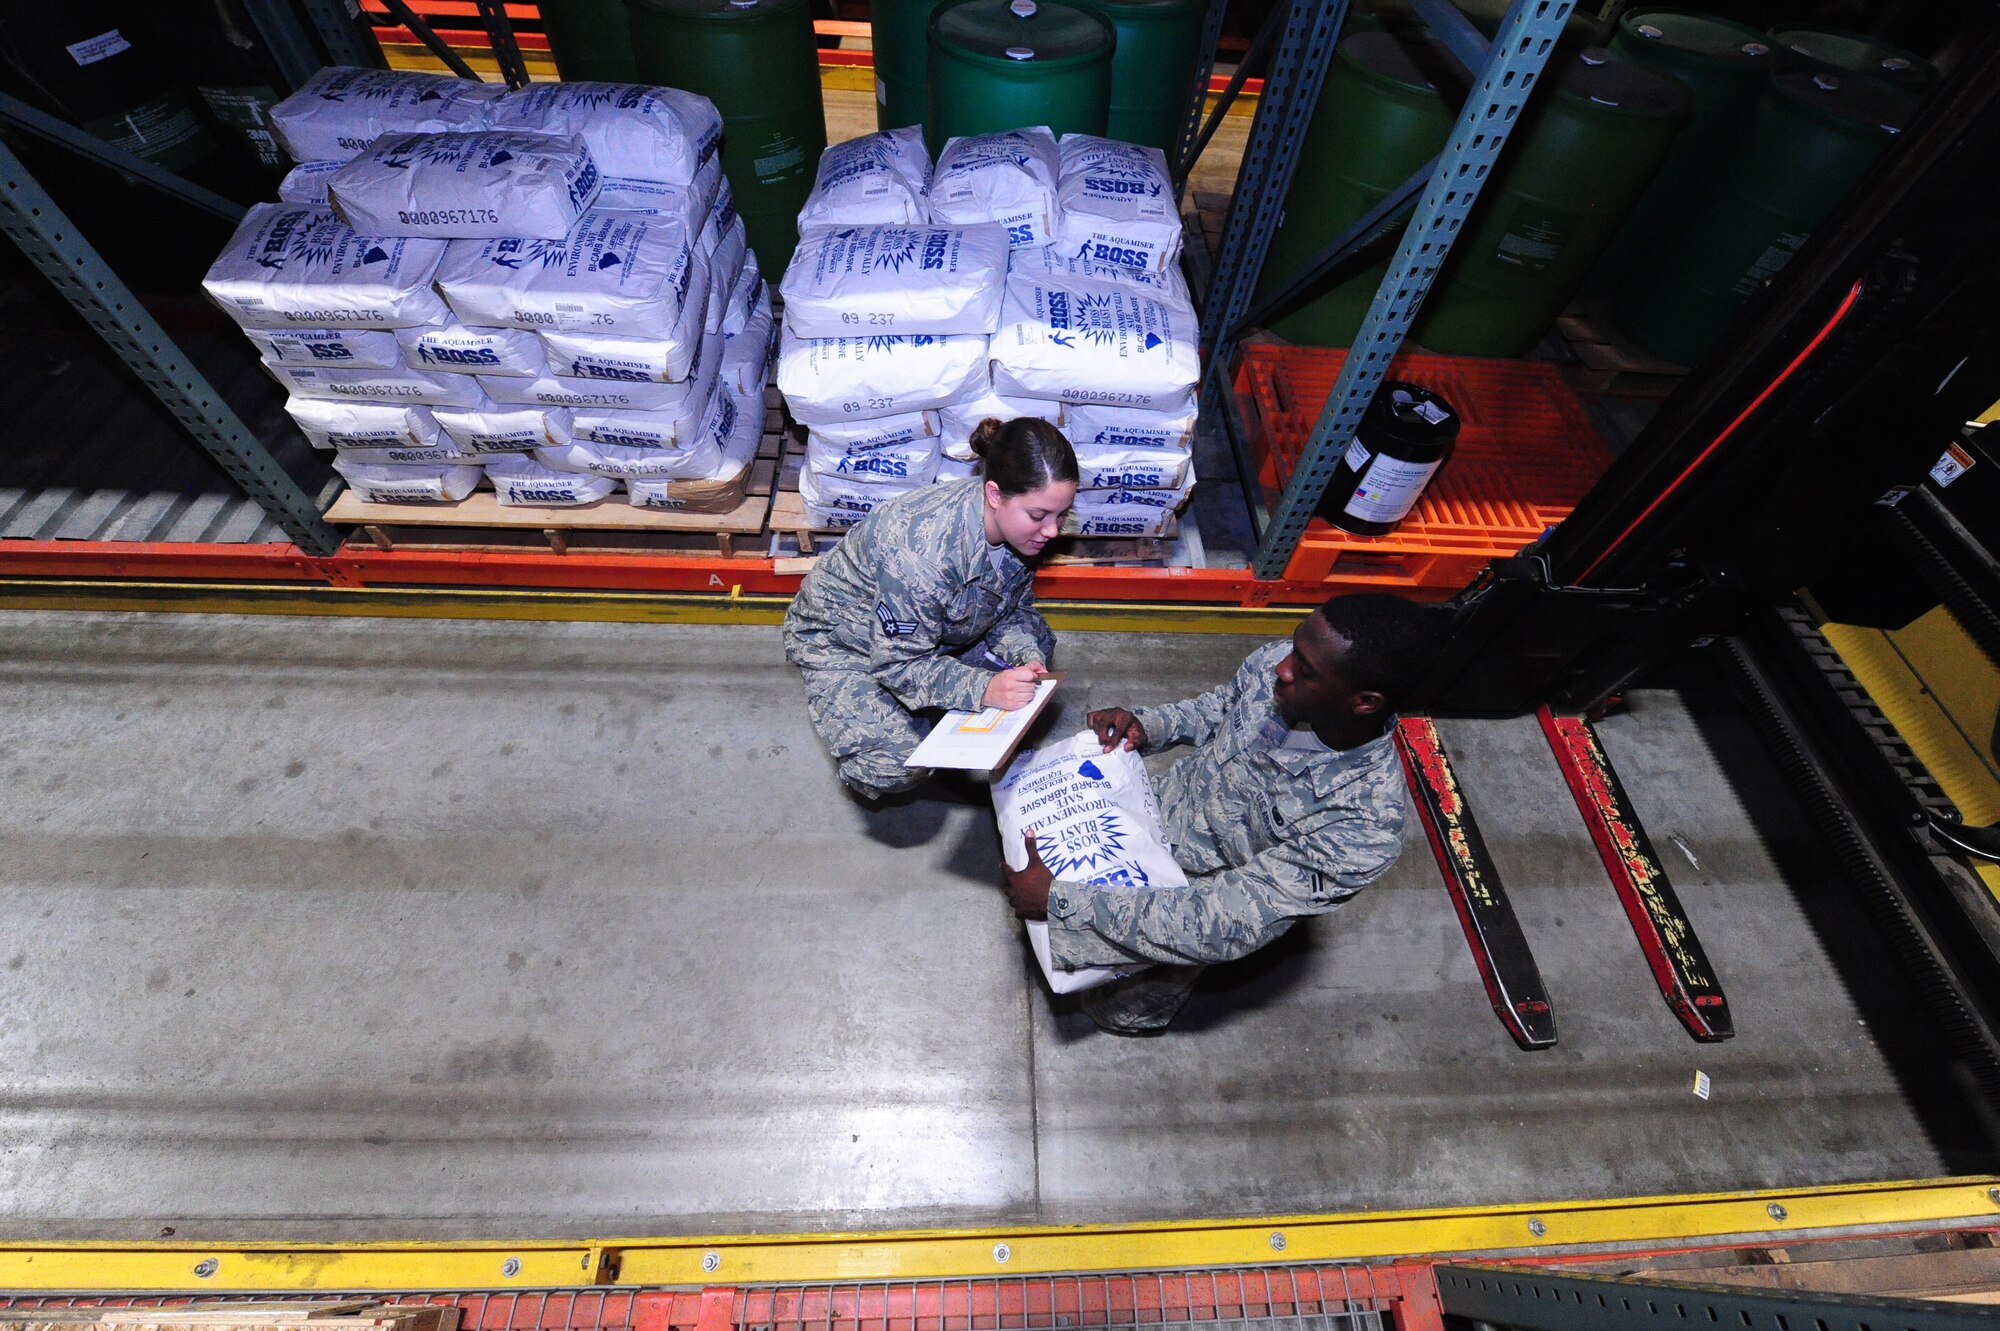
(1095, 330)
(563, 301)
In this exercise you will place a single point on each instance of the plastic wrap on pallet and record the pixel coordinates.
(336, 424)
(1119, 468)
(518, 479)
(881, 432)
(378, 484)
(1084, 341)
(479, 185)
(1088, 425)
(875, 180)
(832, 502)
(1007, 178)
(830, 379)
(494, 428)
(340, 348)
(958, 419)
(337, 113)
(298, 266)
(619, 274)
(857, 281)
(455, 348)
(1127, 512)
(913, 462)
(687, 204)
(394, 385)
(633, 130)
(1115, 204)
(306, 182)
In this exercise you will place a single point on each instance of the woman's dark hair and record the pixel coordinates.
(1024, 454)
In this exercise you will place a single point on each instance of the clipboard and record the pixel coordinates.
(981, 741)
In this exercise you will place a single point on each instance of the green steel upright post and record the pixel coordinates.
(50, 241)
(1514, 64)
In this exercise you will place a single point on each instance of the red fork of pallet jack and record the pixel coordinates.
(1673, 952)
(1499, 948)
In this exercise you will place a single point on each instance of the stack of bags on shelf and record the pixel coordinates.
(1021, 277)
(546, 289)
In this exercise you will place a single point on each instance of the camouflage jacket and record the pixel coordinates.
(907, 587)
(1266, 834)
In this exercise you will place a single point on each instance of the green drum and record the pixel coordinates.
(1810, 140)
(1833, 51)
(1573, 166)
(1005, 64)
(757, 61)
(1152, 70)
(1380, 117)
(591, 40)
(900, 32)
(1724, 65)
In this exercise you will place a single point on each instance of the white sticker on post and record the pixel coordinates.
(93, 49)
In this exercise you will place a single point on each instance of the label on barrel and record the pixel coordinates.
(1954, 464)
(1388, 489)
(101, 47)
(1357, 455)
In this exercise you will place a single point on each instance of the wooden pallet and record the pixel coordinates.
(481, 522)
(1606, 362)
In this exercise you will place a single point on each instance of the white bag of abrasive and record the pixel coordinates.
(377, 484)
(332, 424)
(487, 183)
(1096, 821)
(341, 348)
(1052, 261)
(955, 469)
(1088, 425)
(1116, 204)
(748, 353)
(588, 354)
(592, 394)
(687, 204)
(914, 463)
(875, 180)
(1008, 178)
(297, 266)
(632, 130)
(833, 502)
(338, 113)
(656, 464)
(1079, 341)
(732, 250)
(1100, 468)
(1127, 512)
(735, 424)
(743, 296)
(881, 432)
(394, 385)
(306, 182)
(456, 349)
(859, 280)
(495, 428)
(718, 305)
(957, 420)
(620, 274)
(518, 479)
(830, 379)
(669, 423)
(445, 453)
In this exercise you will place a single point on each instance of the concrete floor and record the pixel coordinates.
(360, 928)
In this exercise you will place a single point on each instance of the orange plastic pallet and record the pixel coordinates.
(1526, 453)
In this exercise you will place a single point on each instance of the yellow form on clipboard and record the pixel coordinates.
(981, 741)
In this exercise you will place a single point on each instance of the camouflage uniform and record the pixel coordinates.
(1267, 834)
(893, 620)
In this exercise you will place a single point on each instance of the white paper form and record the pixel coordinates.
(980, 741)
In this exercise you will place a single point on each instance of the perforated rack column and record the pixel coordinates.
(1518, 54)
(51, 241)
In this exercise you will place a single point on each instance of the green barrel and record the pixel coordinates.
(1724, 65)
(757, 61)
(1574, 165)
(1809, 141)
(590, 40)
(900, 33)
(1835, 51)
(1005, 64)
(1380, 117)
(1153, 68)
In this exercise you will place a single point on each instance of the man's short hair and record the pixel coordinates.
(1390, 642)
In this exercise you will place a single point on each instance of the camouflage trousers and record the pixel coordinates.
(1143, 1002)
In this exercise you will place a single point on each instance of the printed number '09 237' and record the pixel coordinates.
(877, 404)
(872, 320)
